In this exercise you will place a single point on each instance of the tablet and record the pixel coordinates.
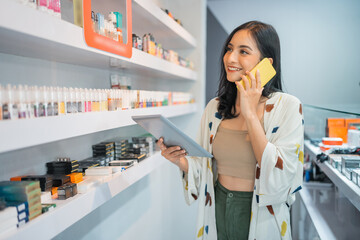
(160, 126)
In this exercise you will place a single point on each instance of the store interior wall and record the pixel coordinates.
(319, 44)
(215, 38)
(152, 208)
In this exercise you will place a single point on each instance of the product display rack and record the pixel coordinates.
(41, 130)
(38, 35)
(347, 187)
(77, 207)
(46, 37)
(150, 18)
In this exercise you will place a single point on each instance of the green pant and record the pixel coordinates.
(233, 212)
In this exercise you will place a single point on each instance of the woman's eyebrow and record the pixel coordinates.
(244, 46)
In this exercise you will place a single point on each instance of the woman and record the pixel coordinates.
(256, 137)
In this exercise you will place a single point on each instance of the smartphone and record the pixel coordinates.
(267, 72)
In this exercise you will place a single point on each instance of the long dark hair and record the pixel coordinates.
(268, 42)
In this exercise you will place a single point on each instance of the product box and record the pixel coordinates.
(354, 137)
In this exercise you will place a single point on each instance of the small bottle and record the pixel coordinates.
(119, 26)
(56, 8)
(81, 108)
(93, 20)
(105, 100)
(42, 108)
(73, 102)
(50, 7)
(1, 103)
(111, 100)
(54, 101)
(35, 98)
(22, 103)
(77, 100)
(87, 100)
(14, 100)
(6, 105)
(61, 101)
(42, 5)
(68, 100)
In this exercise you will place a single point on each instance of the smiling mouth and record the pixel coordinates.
(234, 69)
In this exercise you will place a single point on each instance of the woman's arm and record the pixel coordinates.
(249, 102)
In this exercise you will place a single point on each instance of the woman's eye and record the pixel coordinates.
(243, 52)
(227, 49)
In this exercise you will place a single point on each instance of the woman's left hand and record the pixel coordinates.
(250, 96)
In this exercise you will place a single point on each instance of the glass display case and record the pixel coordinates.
(329, 206)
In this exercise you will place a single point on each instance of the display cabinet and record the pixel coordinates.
(329, 199)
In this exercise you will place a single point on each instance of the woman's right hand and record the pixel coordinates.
(173, 154)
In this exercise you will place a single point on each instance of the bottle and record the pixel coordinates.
(22, 103)
(1, 103)
(54, 101)
(72, 101)
(119, 26)
(56, 8)
(35, 102)
(87, 100)
(81, 108)
(7, 103)
(61, 101)
(42, 111)
(42, 5)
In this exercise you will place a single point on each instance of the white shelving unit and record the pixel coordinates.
(166, 31)
(46, 37)
(41, 130)
(37, 35)
(75, 208)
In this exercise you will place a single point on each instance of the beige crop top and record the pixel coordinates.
(233, 153)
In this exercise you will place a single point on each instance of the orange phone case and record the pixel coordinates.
(267, 72)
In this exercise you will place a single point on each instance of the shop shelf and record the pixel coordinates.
(347, 187)
(313, 208)
(49, 129)
(149, 18)
(46, 37)
(68, 212)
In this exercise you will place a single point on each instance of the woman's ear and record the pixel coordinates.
(271, 60)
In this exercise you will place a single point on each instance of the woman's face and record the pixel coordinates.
(242, 55)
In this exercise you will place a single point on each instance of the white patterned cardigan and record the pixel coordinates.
(279, 177)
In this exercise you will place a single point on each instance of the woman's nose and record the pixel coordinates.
(232, 57)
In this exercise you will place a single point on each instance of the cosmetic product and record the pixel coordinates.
(41, 102)
(68, 100)
(47, 207)
(101, 20)
(54, 101)
(119, 23)
(21, 102)
(111, 100)
(15, 103)
(56, 8)
(1, 103)
(61, 101)
(35, 97)
(78, 12)
(87, 100)
(42, 5)
(50, 7)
